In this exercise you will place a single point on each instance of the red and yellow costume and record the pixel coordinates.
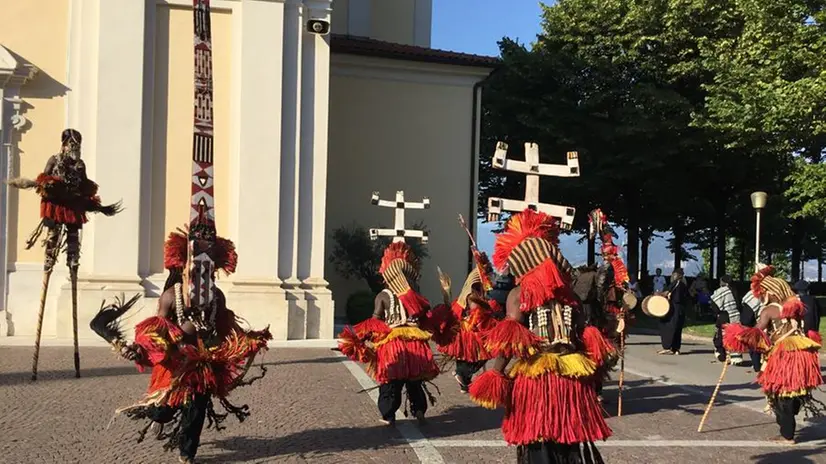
(791, 363)
(392, 344)
(188, 368)
(550, 403)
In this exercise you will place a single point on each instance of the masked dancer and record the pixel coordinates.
(552, 413)
(392, 342)
(66, 195)
(791, 364)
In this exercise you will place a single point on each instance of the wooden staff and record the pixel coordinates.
(714, 395)
(47, 274)
(622, 371)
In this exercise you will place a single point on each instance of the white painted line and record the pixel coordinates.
(425, 451)
(642, 444)
(99, 342)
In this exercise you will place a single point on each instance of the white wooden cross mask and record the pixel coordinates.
(533, 169)
(398, 232)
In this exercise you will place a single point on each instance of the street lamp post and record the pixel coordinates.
(758, 202)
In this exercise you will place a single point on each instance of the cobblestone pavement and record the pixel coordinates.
(309, 409)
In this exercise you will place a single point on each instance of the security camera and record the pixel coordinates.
(318, 26)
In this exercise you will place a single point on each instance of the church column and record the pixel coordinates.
(315, 90)
(256, 292)
(109, 114)
(290, 162)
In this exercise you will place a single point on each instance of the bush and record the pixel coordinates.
(359, 306)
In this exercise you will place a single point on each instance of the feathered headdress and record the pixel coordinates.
(765, 285)
(399, 267)
(528, 249)
(479, 275)
(176, 247)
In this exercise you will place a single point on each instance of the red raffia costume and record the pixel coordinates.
(392, 343)
(551, 408)
(791, 363)
(188, 371)
(66, 195)
(459, 328)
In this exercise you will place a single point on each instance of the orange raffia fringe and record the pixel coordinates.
(522, 226)
(793, 308)
(442, 323)
(156, 336)
(405, 355)
(176, 247)
(792, 367)
(491, 390)
(415, 304)
(542, 284)
(371, 329)
(738, 338)
(599, 349)
(620, 271)
(353, 347)
(815, 335)
(553, 408)
(511, 339)
(398, 250)
(758, 277)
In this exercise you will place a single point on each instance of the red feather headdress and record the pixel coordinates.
(176, 247)
(763, 283)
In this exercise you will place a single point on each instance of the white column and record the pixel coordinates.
(315, 90)
(256, 292)
(110, 116)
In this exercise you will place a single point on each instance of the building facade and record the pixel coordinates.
(306, 127)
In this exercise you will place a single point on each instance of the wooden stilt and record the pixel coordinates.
(47, 274)
(713, 395)
(73, 275)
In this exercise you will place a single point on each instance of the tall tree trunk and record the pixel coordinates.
(678, 245)
(633, 234)
(645, 242)
(820, 266)
(797, 248)
(742, 246)
(721, 244)
(592, 255)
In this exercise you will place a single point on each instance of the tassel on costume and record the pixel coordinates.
(371, 329)
(491, 390)
(542, 284)
(156, 335)
(511, 339)
(353, 347)
(402, 358)
(441, 322)
(738, 338)
(599, 349)
(793, 308)
(415, 304)
(815, 335)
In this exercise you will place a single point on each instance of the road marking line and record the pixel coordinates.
(424, 449)
(641, 443)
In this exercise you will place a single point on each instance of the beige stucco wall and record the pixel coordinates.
(172, 132)
(39, 39)
(388, 133)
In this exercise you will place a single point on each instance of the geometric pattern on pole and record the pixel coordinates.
(399, 232)
(533, 169)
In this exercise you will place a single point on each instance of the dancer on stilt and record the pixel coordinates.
(791, 363)
(467, 318)
(197, 349)
(66, 195)
(613, 294)
(557, 354)
(393, 343)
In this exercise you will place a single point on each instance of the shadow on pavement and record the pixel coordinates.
(16, 378)
(462, 420)
(790, 455)
(648, 396)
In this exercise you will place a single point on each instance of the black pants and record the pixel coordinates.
(556, 453)
(465, 371)
(722, 318)
(193, 415)
(390, 397)
(671, 329)
(784, 411)
(756, 360)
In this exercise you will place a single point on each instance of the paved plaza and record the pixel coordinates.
(310, 408)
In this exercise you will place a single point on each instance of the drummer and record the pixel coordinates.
(671, 326)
